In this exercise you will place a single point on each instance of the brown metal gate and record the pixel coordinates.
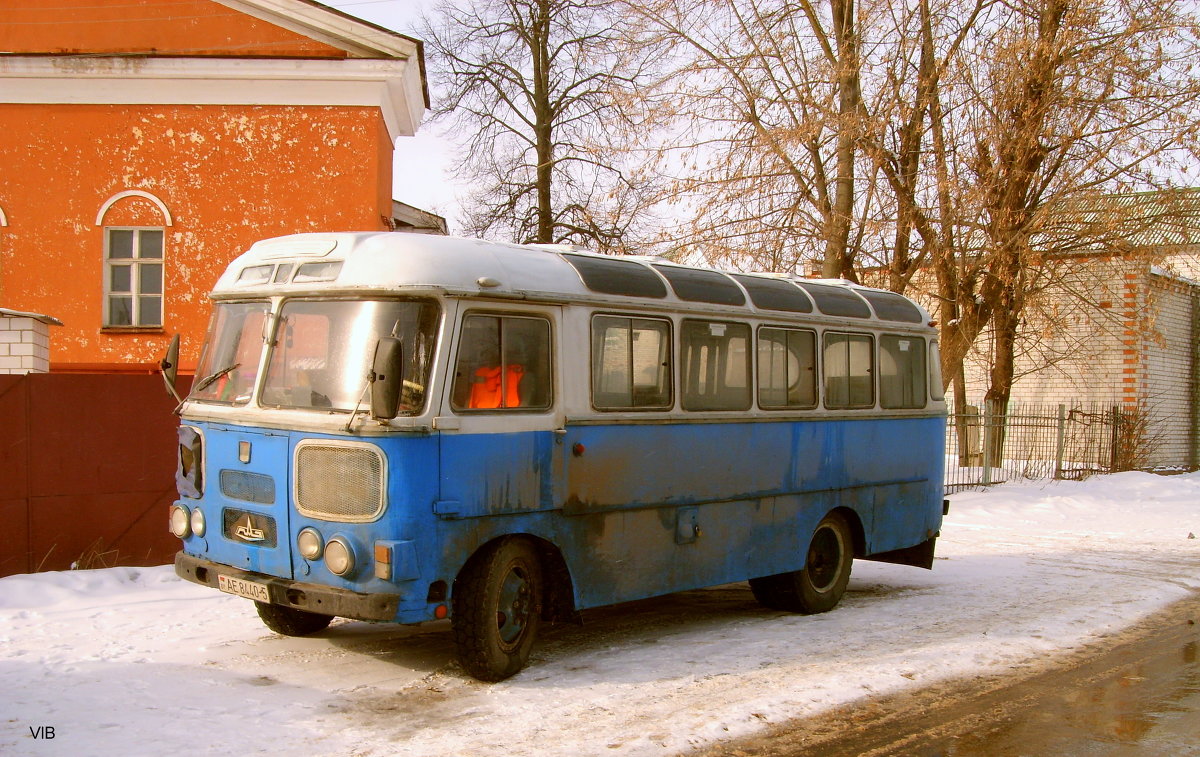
(87, 471)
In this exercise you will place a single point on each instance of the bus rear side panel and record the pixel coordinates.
(654, 508)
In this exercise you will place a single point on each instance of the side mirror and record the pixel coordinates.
(169, 367)
(387, 378)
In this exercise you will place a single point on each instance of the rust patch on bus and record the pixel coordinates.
(602, 479)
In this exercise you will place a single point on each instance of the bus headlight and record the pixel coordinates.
(310, 544)
(339, 557)
(197, 521)
(180, 521)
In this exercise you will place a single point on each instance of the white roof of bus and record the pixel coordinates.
(393, 260)
(388, 261)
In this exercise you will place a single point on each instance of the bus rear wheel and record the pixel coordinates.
(497, 607)
(819, 586)
(289, 621)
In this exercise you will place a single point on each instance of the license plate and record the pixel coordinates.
(243, 588)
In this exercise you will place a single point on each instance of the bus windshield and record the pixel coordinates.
(324, 348)
(229, 364)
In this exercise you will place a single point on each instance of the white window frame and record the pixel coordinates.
(135, 264)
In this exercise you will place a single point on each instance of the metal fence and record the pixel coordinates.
(993, 445)
(87, 471)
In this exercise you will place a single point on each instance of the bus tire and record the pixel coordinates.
(819, 586)
(289, 621)
(497, 608)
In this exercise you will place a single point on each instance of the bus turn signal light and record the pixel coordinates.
(383, 562)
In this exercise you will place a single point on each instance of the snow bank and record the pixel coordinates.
(135, 661)
(79, 586)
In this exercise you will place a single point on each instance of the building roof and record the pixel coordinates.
(406, 217)
(1160, 218)
(358, 38)
(49, 320)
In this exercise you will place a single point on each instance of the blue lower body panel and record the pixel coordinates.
(631, 510)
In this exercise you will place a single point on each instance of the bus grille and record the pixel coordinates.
(249, 487)
(339, 482)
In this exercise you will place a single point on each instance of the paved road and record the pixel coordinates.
(1139, 695)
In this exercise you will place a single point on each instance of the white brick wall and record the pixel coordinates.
(24, 345)
(1169, 352)
(1184, 262)
(1111, 333)
(1072, 347)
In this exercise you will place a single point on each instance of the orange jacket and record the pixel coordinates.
(488, 391)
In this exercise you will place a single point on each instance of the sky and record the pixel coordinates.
(133, 661)
(422, 165)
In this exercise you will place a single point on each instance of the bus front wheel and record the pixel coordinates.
(290, 621)
(819, 586)
(497, 607)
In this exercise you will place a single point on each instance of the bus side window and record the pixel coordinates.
(787, 363)
(631, 363)
(715, 365)
(901, 371)
(503, 363)
(848, 369)
(936, 390)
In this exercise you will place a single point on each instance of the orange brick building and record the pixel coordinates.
(146, 144)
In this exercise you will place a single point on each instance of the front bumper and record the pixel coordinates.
(324, 600)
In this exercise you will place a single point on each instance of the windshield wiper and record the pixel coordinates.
(207, 381)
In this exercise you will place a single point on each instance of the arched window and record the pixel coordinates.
(133, 268)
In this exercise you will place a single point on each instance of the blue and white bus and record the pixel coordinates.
(400, 427)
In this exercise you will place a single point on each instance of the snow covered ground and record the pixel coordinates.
(134, 661)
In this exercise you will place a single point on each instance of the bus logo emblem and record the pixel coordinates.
(246, 531)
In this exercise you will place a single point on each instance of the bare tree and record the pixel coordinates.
(1007, 128)
(764, 103)
(903, 133)
(955, 142)
(541, 88)
(1070, 100)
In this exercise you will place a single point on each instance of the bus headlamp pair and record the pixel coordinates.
(185, 523)
(339, 556)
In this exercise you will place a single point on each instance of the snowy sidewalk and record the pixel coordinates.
(133, 661)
